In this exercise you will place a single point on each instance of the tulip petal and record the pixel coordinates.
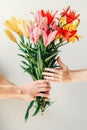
(44, 35)
(51, 37)
(10, 35)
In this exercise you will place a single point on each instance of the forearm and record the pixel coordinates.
(79, 75)
(7, 89)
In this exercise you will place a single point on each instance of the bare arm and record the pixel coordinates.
(79, 75)
(64, 74)
(7, 89)
(28, 91)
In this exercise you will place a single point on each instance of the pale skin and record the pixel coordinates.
(64, 74)
(28, 91)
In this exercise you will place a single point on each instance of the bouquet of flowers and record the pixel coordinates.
(39, 41)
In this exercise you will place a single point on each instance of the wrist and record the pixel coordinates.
(14, 91)
(8, 91)
(80, 75)
(17, 91)
(74, 76)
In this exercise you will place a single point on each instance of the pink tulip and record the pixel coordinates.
(35, 33)
(43, 24)
(38, 17)
(47, 39)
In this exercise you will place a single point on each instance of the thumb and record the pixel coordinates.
(61, 64)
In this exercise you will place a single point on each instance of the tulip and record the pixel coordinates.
(10, 36)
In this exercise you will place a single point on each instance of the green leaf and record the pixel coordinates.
(21, 55)
(37, 73)
(29, 107)
(37, 109)
(51, 63)
(48, 102)
(28, 48)
(30, 72)
(63, 44)
(25, 63)
(39, 63)
(27, 60)
(51, 56)
(22, 49)
(31, 60)
(22, 38)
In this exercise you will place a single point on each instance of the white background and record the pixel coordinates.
(69, 112)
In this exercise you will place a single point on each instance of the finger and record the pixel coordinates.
(44, 89)
(51, 70)
(42, 82)
(53, 79)
(42, 95)
(54, 72)
(47, 92)
(61, 64)
(50, 74)
(44, 86)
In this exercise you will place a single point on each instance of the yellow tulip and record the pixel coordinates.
(63, 21)
(72, 26)
(10, 35)
(24, 28)
(14, 20)
(76, 25)
(12, 24)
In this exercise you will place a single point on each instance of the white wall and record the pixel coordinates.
(69, 112)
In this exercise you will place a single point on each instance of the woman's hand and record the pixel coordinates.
(35, 88)
(26, 92)
(61, 74)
